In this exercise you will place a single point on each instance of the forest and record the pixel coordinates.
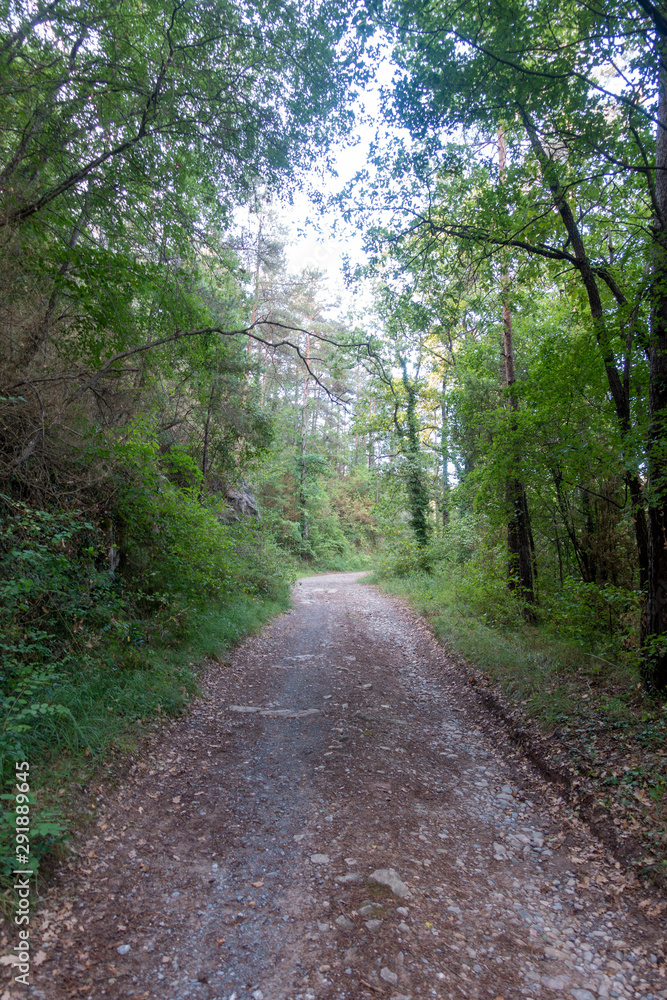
(188, 422)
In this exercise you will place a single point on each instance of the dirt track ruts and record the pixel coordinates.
(236, 861)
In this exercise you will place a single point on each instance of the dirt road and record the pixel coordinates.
(338, 818)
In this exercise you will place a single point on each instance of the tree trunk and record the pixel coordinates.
(304, 428)
(255, 298)
(619, 388)
(519, 535)
(654, 666)
(417, 491)
(444, 453)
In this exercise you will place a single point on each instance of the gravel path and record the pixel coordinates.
(339, 817)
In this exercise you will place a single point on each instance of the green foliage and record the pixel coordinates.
(581, 632)
(47, 831)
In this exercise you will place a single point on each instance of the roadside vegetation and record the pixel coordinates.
(186, 423)
(572, 669)
(168, 460)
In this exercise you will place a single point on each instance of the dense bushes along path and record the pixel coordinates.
(240, 859)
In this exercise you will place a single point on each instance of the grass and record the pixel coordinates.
(336, 564)
(146, 681)
(569, 673)
(111, 702)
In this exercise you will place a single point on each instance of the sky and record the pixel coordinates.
(312, 243)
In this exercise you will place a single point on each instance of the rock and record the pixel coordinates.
(373, 925)
(350, 877)
(123, 949)
(500, 852)
(322, 928)
(403, 927)
(391, 879)
(325, 968)
(403, 910)
(555, 982)
(582, 995)
(242, 502)
(344, 923)
(258, 995)
(319, 859)
(367, 909)
(388, 976)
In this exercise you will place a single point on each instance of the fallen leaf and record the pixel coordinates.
(258, 885)
(39, 958)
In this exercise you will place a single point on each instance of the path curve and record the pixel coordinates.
(238, 860)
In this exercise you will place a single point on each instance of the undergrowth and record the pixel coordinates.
(574, 669)
(103, 712)
(104, 621)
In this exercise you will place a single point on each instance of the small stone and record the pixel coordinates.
(555, 982)
(582, 995)
(344, 923)
(391, 879)
(403, 927)
(123, 949)
(499, 852)
(388, 976)
(322, 928)
(325, 968)
(373, 925)
(319, 859)
(366, 910)
(350, 877)
(403, 910)
(258, 995)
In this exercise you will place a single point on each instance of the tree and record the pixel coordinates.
(128, 135)
(579, 91)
